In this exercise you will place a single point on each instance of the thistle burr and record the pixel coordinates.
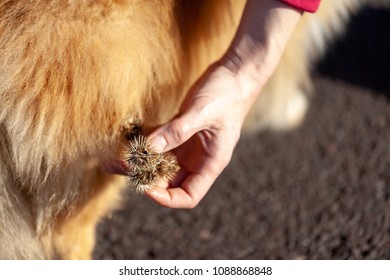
(147, 168)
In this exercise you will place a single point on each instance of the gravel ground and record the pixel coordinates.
(321, 191)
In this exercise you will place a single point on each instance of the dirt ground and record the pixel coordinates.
(319, 192)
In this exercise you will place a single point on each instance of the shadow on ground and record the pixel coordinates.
(362, 57)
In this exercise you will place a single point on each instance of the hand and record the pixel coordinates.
(207, 129)
(204, 135)
(208, 126)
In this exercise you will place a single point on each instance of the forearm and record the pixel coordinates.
(264, 31)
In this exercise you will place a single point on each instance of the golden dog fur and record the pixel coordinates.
(73, 73)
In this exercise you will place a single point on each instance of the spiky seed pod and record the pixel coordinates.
(146, 167)
(131, 130)
(168, 166)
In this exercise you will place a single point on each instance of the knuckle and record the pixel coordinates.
(192, 204)
(222, 162)
(225, 160)
(177, 131)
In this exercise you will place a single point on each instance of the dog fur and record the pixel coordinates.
(74, 73)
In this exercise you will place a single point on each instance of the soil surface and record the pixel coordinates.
(321, 191)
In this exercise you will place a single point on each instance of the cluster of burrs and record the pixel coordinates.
(147, 168)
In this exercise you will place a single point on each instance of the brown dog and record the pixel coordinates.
(74, 74)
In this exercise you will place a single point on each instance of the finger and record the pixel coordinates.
(176, 132)
(180, 177)
(193, 189)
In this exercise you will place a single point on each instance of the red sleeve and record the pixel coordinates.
(304, 5)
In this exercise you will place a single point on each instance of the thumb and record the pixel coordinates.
(174, 133)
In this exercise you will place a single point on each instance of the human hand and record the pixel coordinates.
(208, 126)
(204, 134)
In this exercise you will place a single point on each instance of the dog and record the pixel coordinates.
(75, 74)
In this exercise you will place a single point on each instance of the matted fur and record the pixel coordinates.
(72, 73)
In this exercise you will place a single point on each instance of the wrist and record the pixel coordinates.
(245, 73)
(263, 33)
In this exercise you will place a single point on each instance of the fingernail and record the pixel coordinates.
(154, 192)
(158, 143)
(157, 193)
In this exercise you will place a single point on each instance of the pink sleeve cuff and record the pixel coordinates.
(304, 5)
